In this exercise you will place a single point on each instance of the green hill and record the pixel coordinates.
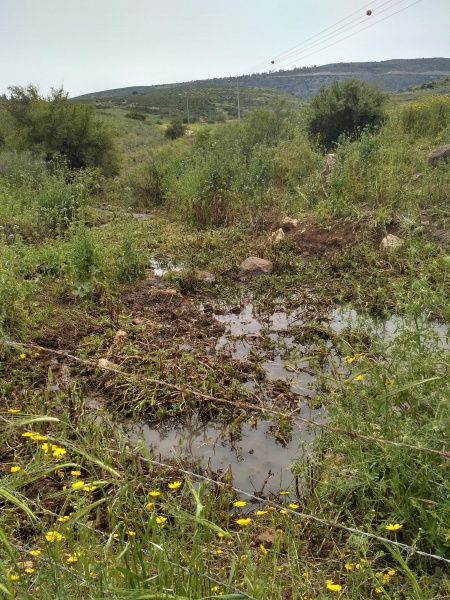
(196, 102)
(391, 75)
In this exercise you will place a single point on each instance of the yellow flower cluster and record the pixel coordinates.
(56, 451)
(53, 536)
(385, 577)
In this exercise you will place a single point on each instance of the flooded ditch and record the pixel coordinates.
(251, 449)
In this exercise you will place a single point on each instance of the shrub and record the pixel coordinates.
(345, 109)
(175, 130)
(137, 116)
(54, 126)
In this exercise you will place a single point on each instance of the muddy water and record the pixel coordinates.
(251, 451)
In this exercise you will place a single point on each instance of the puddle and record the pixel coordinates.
(248, 333)
(256, 452)
(268, 339)
(251, 457)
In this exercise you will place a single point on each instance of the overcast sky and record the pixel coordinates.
(93, 45)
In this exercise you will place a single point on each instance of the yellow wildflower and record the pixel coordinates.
(78, 484)
(58, 453)
(391, 572)
(34, 436)
(35, 552)
(131, 533)
(149, 505)
(379, 590)
(13, 410)
(15, 469)
(389, 382)
(154, 493)
(218, 551)
(334, 587)
(14, 577)
(243, 522)
(283, 493)
(89, 488)
(29, 570)
(53, 536)
(283, 512)
(393, 527)
(348, 566)
(161, 520)
(73, 558)
(175, 485)
(75, 473)
(63, 519)
(259, 513)
(22, 356)
(359, 377)
(293, 505)
(263, 550)
(239, 503)
(220, 534)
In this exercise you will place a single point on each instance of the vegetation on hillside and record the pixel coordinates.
(88, 339)
(305, 82)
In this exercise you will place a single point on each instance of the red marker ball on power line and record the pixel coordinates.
(368, 13)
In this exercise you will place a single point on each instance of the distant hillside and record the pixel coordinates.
(197, 102)
(391, 75)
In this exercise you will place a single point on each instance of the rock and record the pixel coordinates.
(120, 337)
(253, 267)
(391, 242)
(104, 363)
(442, 153)
(266, 538)
(276, 236)
(205, 277)
(288, 223)
(331, 162)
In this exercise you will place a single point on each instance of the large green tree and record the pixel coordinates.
(345, 109)
(55, 127)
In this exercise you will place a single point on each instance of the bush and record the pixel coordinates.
(137, 116)
(53, 127)
(345, 109)
(175, 130)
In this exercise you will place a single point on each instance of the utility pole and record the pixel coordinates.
(239, 105)
(187, 104)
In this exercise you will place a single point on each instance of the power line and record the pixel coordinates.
(319, 33)
(345, 28)
(293, 50)
(356, 32)
(290, 53)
